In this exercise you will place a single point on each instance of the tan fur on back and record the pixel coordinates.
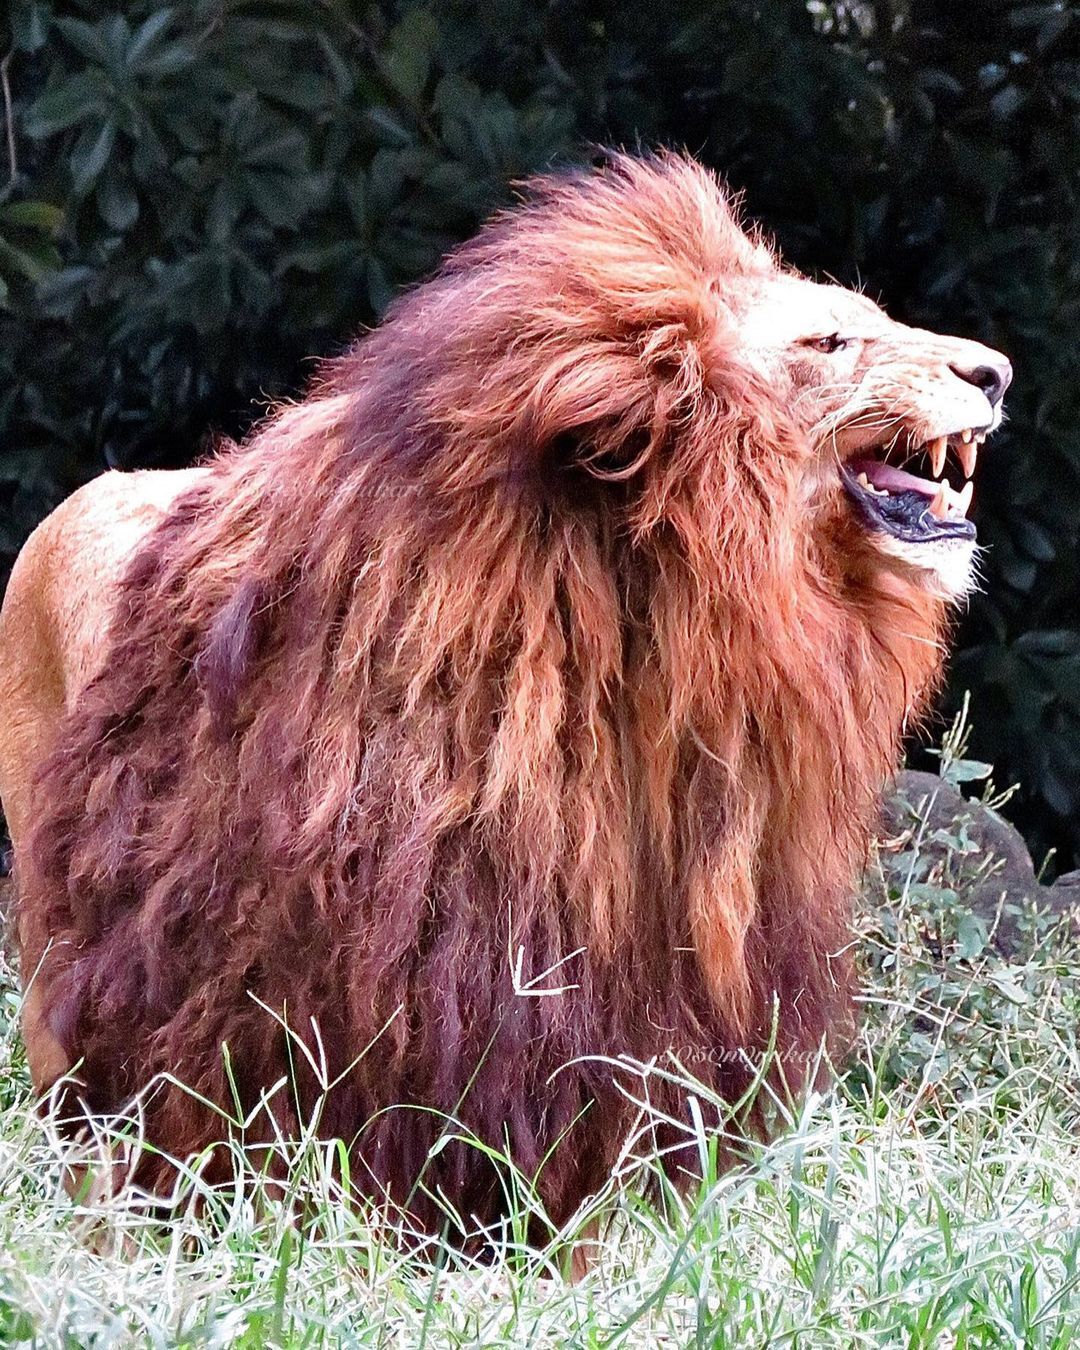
(57, 610)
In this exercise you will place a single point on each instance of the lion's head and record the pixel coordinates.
(517, 701)
(645, 300)
(878, 400)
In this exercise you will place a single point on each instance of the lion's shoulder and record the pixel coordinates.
(70, 568)
(58, 603)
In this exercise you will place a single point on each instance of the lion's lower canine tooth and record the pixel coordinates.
(939, 507)
(962, 499)
(863, 480)
(967, 455)
(937, 455)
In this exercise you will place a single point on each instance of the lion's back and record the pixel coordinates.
(57, 608)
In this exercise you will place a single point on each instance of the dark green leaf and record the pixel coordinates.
(26, 261)
(75, 100)
(33, 216)
(407, 61)
(89, 156)
(117, 202)
(30, 25)
(87, 39)
(387, 127)
(146, 37)
(1049, 642)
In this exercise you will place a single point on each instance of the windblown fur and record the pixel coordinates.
(510, 645)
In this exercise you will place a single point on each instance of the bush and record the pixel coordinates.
(202, 196)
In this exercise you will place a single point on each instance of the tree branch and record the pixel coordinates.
(9, 118)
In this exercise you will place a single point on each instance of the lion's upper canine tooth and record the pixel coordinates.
(962, 499)
(968, 454)
(937, 454)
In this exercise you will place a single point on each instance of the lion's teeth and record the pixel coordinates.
(966, 435)
(939, 507)
(962, 499)
(864, 482)
(967, 455)
(937, 455)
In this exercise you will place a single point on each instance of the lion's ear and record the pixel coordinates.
(609, 409)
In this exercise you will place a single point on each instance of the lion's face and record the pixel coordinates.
(896, 417)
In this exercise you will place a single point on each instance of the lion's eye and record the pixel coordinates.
(833, 343)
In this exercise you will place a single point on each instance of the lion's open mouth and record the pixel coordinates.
(908, 507)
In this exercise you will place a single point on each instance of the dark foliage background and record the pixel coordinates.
(200, 197)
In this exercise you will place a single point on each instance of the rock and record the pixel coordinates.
(1068, 881)
(974, 850)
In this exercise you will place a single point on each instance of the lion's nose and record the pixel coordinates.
(993, 378)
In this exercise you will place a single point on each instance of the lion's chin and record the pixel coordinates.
(945, 567)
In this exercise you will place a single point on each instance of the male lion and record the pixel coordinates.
(518, 700)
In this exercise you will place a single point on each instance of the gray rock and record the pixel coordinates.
(1068, 884)
(974, 849)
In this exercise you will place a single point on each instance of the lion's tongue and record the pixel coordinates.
(888, 478)
(944, 502)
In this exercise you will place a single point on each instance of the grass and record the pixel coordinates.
(931, 1197)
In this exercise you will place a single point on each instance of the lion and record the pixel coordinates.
(512, 708)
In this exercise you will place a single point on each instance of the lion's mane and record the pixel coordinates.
(509, 646)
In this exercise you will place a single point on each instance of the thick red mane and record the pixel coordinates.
(511, 637)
